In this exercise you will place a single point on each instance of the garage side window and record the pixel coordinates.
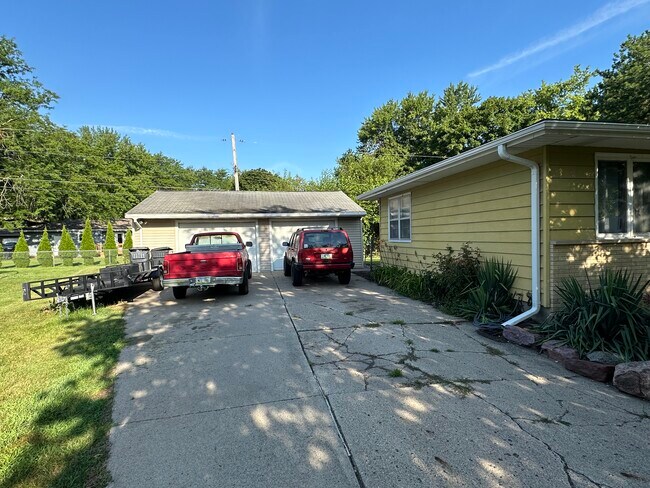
(399, 218)
(623, 197)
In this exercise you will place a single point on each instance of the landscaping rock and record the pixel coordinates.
(523, 337)
(633, 378)
(596, 371)
(604, 357)
(559, 353)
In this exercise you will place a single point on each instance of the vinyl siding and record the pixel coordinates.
(488, 207)
(571, 176)
(354, 229)
(157, 233)
(264, 238)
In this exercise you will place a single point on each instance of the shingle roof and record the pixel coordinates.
(207, 204)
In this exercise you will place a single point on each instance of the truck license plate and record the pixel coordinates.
(326, 256)
(202, 281)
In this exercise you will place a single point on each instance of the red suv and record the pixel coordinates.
(318, 251)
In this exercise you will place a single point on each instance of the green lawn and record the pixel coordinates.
(56, 377)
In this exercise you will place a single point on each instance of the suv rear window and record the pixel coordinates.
(324, 239)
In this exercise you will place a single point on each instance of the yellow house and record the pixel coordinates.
(557, 199)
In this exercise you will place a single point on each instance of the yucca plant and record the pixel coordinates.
(611, 317)
(492, 301)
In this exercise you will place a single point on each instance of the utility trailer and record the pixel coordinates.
(145, 267)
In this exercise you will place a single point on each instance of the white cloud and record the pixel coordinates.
(600, 16)
(144, 131)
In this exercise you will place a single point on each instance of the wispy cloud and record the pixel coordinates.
(145, 131)
(600, 16)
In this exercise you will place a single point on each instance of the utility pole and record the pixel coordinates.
(234, 160)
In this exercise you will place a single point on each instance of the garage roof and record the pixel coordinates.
(247, 204)
(544, 133)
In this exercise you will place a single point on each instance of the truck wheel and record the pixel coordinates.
(250, 270)
(179, 292)
(296, 275)
(243, 288)
(344, 277)
(156, 284)
(287, 268)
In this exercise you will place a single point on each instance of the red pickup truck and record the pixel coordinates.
(210, 259)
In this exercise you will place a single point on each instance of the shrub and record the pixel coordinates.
(87, 248)
(452, 275)
(402, 280)
(67, 249)
(492, 302)
(128, 244)
(44, 253)
(110, 247)
(20, 255)
(2, 253)
(611, 317)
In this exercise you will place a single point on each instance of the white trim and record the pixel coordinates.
(208, 216)
(399, 219)
(629, 159)
(528, 138)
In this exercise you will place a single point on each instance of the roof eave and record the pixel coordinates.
(213, 216)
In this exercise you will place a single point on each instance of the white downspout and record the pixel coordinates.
(534, 230)
(135, 221)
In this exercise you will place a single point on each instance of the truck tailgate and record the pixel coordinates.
(192, 265)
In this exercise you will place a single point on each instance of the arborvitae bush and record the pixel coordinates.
(44, 253)
(110, 247)
(21, 252)
(2, 253)
(87, 248)
(128, 244)
(67, 249)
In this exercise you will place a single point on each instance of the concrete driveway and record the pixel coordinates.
(327, 385)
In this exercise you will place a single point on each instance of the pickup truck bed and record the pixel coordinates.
(203, 266)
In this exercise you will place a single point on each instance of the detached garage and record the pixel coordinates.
(170, 218)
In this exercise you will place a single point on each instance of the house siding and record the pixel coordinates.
(575, 249)
(488, 206)
(354, 228)
(157, 233)
(264, 238)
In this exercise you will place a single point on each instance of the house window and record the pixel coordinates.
(623, 195)
(399, 218)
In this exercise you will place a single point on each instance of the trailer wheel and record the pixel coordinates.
(243, 288)
(179, 292)
(156, 284)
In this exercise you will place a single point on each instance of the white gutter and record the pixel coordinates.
(277, 215)
(534, 231)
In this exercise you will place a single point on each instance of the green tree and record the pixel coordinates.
(623, 93)
(87, 248)
(44, 253)
(20, 255)
(261, 180)
(128, 244)
(67, 249)
(110, 247)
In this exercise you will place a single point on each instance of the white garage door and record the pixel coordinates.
(281, 231)
(247, 231)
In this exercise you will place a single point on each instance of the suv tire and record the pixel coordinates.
(296, 275)
(287, 268)
(344, 277)
(179, 292)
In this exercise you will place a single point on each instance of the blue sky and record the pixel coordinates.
(294, 79)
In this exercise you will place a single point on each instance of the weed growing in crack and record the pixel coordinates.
(408, 342)
(433, 349)
(449, 350)
(398, 322)
(493, 351)
(373, 325)
(396, 373)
